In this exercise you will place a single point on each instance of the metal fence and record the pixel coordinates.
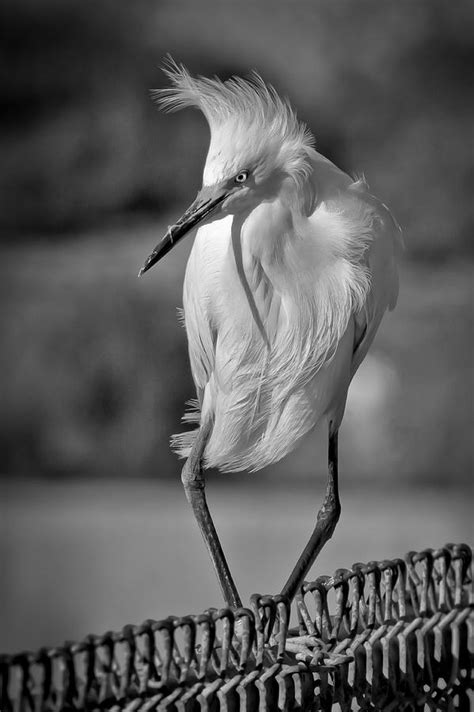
(388, 635)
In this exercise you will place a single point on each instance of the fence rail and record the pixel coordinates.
(387, 635)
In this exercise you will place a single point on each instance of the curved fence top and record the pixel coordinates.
(387, 635)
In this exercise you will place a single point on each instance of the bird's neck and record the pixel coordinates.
(275, 242)
(286, 255)
(267, 231)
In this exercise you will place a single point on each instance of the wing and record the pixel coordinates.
(201, 343)
(381, 258)
(202, 290)
(329, 184)
(201, 346)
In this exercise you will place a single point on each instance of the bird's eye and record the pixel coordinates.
(241, 177)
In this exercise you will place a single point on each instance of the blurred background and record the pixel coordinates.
(95, 530)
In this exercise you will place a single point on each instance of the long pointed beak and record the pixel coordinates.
(200, 209)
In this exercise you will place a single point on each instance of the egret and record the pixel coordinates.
(293, 267)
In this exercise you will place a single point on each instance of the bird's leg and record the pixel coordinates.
(326, 522)
(194, 483)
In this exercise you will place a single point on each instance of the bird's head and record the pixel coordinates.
(257, 146)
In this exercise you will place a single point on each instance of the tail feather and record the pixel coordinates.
(182, 443)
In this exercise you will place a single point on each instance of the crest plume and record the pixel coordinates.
(247, 100)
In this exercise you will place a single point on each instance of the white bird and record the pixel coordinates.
(292, 269)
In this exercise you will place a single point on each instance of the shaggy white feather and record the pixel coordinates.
(283, 299)
(247, 119)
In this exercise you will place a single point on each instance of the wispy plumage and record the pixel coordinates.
(245, 111)
(293, 267)
(278, 298)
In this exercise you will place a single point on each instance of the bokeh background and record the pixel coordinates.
(95, 531)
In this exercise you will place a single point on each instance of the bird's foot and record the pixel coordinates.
(306, 648)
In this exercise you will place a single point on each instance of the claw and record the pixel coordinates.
(307, 648)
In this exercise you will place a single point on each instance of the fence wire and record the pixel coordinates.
(387, 635)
